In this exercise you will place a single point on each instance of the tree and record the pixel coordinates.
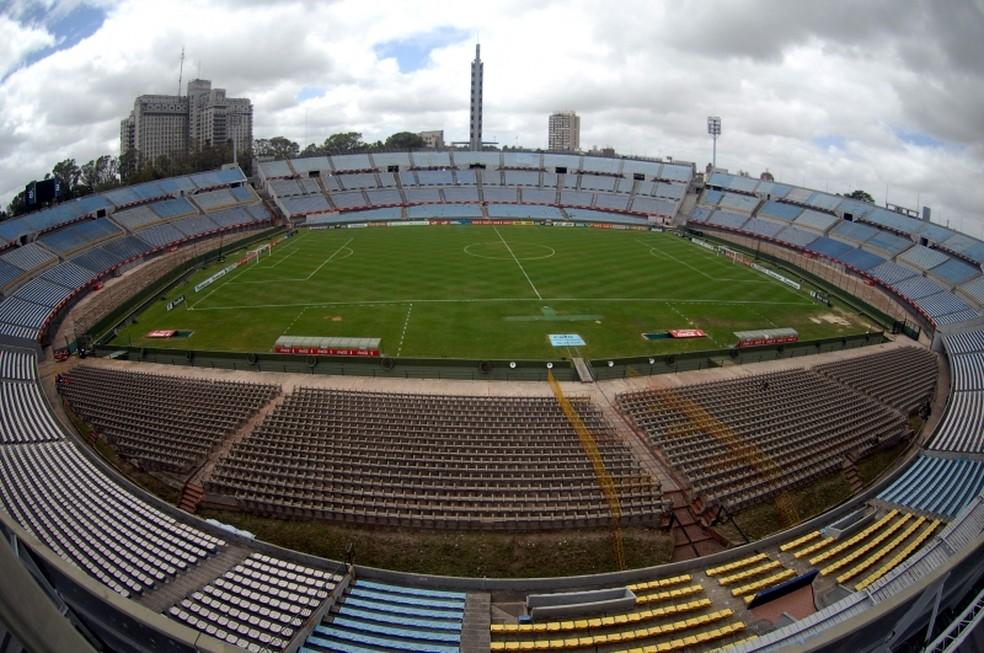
(100, 174)
(17, 205)
(404, 141)
(67, 173)
(861, 196)
(277, 148)
(343, 142)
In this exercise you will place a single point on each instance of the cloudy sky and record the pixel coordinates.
(883, 95)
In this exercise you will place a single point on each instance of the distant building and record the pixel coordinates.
(767, 176)
(176, 125)
(475, 124)
(564, 132)
(433, 139)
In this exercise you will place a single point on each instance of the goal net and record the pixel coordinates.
(254, 255)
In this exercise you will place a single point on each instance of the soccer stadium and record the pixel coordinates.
(468, 397)
(274, 408)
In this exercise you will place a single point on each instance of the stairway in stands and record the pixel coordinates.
(850, 471)
(690, 538)
(191, 496)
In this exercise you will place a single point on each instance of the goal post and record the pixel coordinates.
(254, 255)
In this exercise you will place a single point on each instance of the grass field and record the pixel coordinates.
(485, 292)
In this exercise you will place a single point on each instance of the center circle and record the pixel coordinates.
(497, 250)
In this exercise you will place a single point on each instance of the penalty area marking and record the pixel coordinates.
(653, 251)
(347, 251)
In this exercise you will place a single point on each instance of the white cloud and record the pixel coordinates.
(642, 75)
(18, 41)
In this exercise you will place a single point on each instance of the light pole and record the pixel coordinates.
(714, 129)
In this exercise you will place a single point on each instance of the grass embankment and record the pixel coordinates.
(476, 554)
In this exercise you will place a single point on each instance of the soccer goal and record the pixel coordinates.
(254, 255)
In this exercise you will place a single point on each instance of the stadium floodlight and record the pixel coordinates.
(714, 129)
(549, 366)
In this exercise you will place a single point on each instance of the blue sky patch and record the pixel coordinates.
(310, 92)
(917, 138)
(413, 52)
(827, 141)
(68, 30)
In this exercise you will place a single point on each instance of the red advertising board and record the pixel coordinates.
(326, 351)
(775, 340)
(687, 333)
(161, 333)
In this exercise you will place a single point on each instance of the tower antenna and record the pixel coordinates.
(181, 70)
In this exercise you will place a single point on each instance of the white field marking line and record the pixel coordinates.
(521, 268)
(403, 334)
(691, 322)
(328, 260)
(379, 302)
(294, 321)
(220, 283)
(254, 281)
(284, 257)
(654, 250)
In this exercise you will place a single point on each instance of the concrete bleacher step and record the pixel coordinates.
(194, 578)
(850, 471)
(583, 371)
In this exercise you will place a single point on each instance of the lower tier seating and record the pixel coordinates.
(432, 461)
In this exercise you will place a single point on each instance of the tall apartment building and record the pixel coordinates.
(173, 124)
(564, 132)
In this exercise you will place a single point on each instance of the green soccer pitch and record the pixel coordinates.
(485, 292)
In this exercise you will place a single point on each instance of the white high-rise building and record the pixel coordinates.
(564, 132)
(168, 125)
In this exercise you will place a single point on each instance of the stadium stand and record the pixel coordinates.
(497, 463)
(258, 605)
(511, 177)
(903, 378)
(61, 498)
(162, 422)
(744, 440)
(936, 485)
(79, 236)
(382, 616)
(853, 233)
(921, 258)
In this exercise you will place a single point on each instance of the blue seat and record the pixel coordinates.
(393, 631)
(371, 604)
(398, 620)
(415, 591)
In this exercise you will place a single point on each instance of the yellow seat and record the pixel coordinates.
(527, 645)
(498, 646)
(542, 644)
(553, 626)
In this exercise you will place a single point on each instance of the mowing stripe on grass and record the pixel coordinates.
(521, 268)
(374, 302)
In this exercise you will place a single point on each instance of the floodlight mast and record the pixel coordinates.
(714, 129)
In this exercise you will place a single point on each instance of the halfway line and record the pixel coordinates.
(522, 269)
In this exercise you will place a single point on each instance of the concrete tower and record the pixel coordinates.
(475, 128)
